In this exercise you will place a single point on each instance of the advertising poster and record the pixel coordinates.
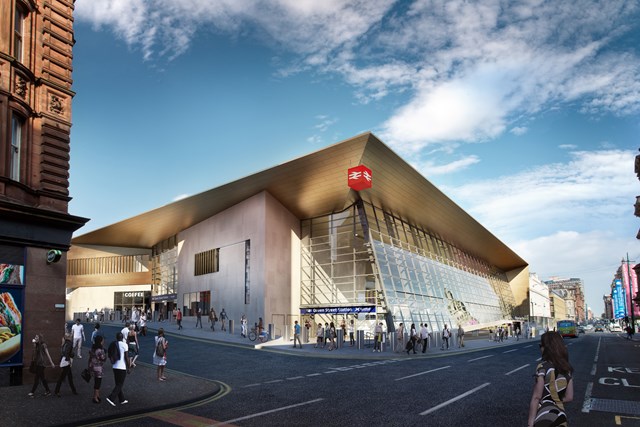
(618, 298)
(11, 310)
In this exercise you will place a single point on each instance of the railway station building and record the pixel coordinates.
(350, 232)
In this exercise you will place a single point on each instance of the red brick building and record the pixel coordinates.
(36, 43)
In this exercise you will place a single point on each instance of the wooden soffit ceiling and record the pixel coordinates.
(314, 185)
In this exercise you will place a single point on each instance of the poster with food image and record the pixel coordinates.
(11, 274)
(11, 309)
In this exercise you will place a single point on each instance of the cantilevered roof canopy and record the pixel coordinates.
(315, 185)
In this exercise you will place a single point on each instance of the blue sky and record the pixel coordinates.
(525, 113)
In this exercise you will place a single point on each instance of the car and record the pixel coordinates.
(598, 329)
(588, 327)
(615, 328)
(581, 330)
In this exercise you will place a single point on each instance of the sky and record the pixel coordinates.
(526, 114)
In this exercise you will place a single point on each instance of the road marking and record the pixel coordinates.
(332, 372)
(509, 351)
(528, 346)
(313, 375)
(593, 369)
(271, 411)
(273, 381)
(295, 378)
(517, 369)
(178, 418)
(619, 418)
(538, 359)
(422, 373)
(478, 358)
(586, 405)
(455, 399)
(597, 350)
(252, 385)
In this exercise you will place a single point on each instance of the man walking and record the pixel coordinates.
(120, 362)
(199, 318)
(78, 337)
(296, 334)
(223, 319)
(424, 335)
(400, 338)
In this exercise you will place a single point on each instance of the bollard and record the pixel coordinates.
(271, 331)
(392, 342)
(360, 339)
(340, 342)
(231, 324)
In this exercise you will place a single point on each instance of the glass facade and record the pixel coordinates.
(367, 256)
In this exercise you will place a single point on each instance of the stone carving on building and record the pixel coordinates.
(20, 86)
(55, 104)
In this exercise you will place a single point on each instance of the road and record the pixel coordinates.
(485, 388)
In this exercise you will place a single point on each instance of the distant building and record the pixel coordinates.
(572, 291)
(349, 232)
(558, 307)
(36, 42)
(539, 303)
(608, 306)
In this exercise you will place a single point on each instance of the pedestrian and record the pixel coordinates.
(96, 332)
(332, 336)
(133, 346)
(460, 336)
(307, 327)
(78, 337)
(179, 319)
(490, 334)
(553, 383)
(174, 314)
(223, 320)
(213, 318)
(296, 334)
(87, 315)
(97, 357)
(352, 340)
(199, 318)
(40, 360)
(260, 326)
(377, 331)
(143, 324)
(446, 333)
(327, 334)
(343, 326)
(160, 354)
(400, 338)
(424, 335)
(319, 336)
(243, 325)
(413, 338)
(66, 359)
(118, 349)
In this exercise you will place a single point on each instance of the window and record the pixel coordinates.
(207, 262)
(17, 124)
(18, 32)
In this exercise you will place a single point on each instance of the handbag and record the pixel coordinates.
(85, 374)
(32, 367)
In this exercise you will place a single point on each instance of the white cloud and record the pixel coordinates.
(431, 169)
(568, 146)
(519, 130)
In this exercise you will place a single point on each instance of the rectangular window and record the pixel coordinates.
(17, 124)
(18, 32)
(207, 262)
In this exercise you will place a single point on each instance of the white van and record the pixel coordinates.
(615, 328)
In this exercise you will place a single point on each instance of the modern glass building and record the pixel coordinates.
(296, 242)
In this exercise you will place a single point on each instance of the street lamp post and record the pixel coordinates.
(633, 323)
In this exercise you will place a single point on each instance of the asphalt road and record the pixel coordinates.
(485, 388)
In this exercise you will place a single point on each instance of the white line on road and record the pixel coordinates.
(597, 350)
(593, 369)
(253, 385)
(273, 381)
(448, 402)
(586, 405)
(313, 375)
(478, 358)
(538, 359)
(295, 378)
(517, 369)
(509, 351)
(235, 420)
(528, 346)
(422, 373)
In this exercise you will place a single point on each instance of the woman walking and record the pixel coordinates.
(97, 357)
(332, 336)
(553, 383)
(41, 359)
(65, 363)
(160, 354)
(132, 344)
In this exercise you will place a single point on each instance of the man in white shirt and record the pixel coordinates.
(119, 372)
(78, 337)
(424, 335)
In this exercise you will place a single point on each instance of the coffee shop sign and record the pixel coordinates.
(134, 294)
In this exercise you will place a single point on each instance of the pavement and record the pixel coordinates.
(18, 409)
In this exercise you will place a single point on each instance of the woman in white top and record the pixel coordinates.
(120, 367)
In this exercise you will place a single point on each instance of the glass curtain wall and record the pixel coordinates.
(365, 255)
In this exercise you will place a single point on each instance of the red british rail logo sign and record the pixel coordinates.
(359, 177)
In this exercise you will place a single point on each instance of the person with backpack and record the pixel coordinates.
(160, 354)
(119, 356)
(95, 333)
(66, 352)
